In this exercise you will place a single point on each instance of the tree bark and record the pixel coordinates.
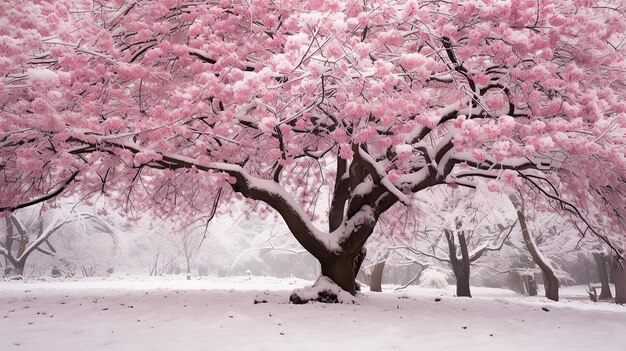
(463, 286)
(353, 213)
(620, 281)
(377, 277)
(603, 273)
(358, 261)
(461, 268)
(550, 280)
(340, 269)
(551, 284)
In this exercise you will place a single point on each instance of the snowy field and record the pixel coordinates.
(221, 314)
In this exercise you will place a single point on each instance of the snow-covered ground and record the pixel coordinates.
(221, 314)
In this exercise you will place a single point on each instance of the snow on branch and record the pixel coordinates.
(44, 197)
(380, 175)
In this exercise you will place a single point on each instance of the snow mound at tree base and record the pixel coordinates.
(323, 290)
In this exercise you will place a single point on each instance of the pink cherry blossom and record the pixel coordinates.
(162, 103)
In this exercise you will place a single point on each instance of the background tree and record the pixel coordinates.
(603, 265)
(550, 280)
(401, 267)
(188, 238)
(620, 281)
(32, 230)
(160, 104)
(462, 226)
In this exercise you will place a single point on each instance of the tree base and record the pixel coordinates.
(13, 277)
(323, 290)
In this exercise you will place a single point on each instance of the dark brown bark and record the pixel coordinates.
(620, 281)
(550, 280)
(358, 261)
(377, 277)
(340, 269)
(297, 225)
(603, 273)
(341, 194)
(44, 198)
(338, 266)
(461, 268)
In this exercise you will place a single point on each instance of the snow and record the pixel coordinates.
(42, 74)
(384, 180)
(172, 313)
(432, 278)
(325, 285)
(329, 240)
(404, 148)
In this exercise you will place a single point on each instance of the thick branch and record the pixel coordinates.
(340, 195)
(43, 198)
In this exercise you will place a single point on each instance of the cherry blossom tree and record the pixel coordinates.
(347, 107)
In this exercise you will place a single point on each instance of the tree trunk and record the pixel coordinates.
(17, 270)
(340, 269)
(550, 281)
(377, 277)
(601, 264)
(551, 284)
(461, 268)
(358, 261)
(463, 286)
(620, 281)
